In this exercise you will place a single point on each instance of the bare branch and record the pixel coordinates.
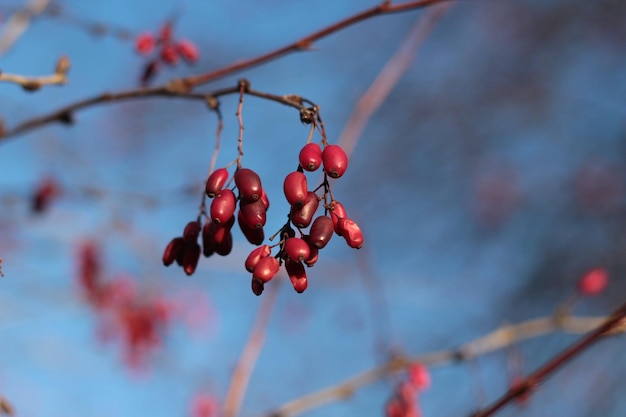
(35, 83)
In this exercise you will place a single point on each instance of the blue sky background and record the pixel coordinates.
(487, 183)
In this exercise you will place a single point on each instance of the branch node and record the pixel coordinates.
(63, 67)
(244, 84)
(178, 86)
(307, 115)
(66, 118)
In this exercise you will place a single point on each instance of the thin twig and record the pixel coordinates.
(250, 354)
(5, 407)
(35, 83)
(493, 341)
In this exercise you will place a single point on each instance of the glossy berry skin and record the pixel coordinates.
(337, 212)
(295, 188)
(224, 247)
(254, 236)
(188, 50)
(253, 214)
(256, 255)
(297, 275)
(351, 232)
(191, 257)
(297, 249)
(265, 200)
(321, 232)
(335, 161)
(207, 240)
(216, 182)
(303, 215)
(313, 255)
(223, 206)
(144, 44)
(266, 269)
(173, 250)
(249, 184)
(257, 287)
(310, 157)
(218, 232)
(192, 230)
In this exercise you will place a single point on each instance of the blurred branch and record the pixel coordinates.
(389, 76)
(1, 273)
(65, 115)
(496, 340)
(17, 24)
(5, 407)
(35, 83)
(250, 354)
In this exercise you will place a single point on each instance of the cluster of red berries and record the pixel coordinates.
(248, 193)
(138, 321)
(168, 50)
(404, 400)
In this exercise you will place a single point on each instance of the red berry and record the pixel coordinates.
(191, 257)
(173, 250)
(218, 232)
(313, 255)
(593, 282)
(310, 157)
(144, 44)
(188, 50)
(169, 54)
(295, 187)
(321, 232)
(253, 214)
(297, 275)
(254, 236)
(301, 216)
(335, 161)
(297, 249)
(256, 255)
(149, 71)
(224, 247)
(257, 286)
(223, 206)
(249, 184)
(337, 212)
(266, 269)
(207, 240)
(351, 232)
(265, 200)
(418, 376)
(216, 182)
(192, 230)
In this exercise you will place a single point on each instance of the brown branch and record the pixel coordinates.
(65, 115)
(35, 83)
(306, 42)
(250, 354)
(1, 273)
(496, 340)
(5, 407)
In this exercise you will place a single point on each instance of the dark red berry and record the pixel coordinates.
(218, 232)
(223, 206)
(253, 214)
(321, 232)
(295, 187)
(256, 255)
(337, 212)
(257, 286)
(224, 247)
(254, 236)
(191, 257)
(265, 200)
(310, 157)
(297, 275)
(192, 230)
(173, 250)
(207, 240)
(216, 181)
(314, 253)
(249, 184)
(266, 269)
(296, 249)
(188, 50)
(169, 54)
(335, 161)
(301, 216)
(350, 232)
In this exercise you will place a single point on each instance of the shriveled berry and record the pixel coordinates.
(266, 269)
(207, 240)
(169, 54)
(310, 157)
(256, 255)
(337, 212)
(223, 206)
(253, 214)
(192, 255)
(254, 236)
(257, 286)
(335, 161)
(144, 43)
(351, 232)
(297, 249)
(301, 216)
(295, 188)
(297, 275)
(321, 232)
(249, 184)
(192, 230)
(216, 181)
(173, 250)
(188, 50)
